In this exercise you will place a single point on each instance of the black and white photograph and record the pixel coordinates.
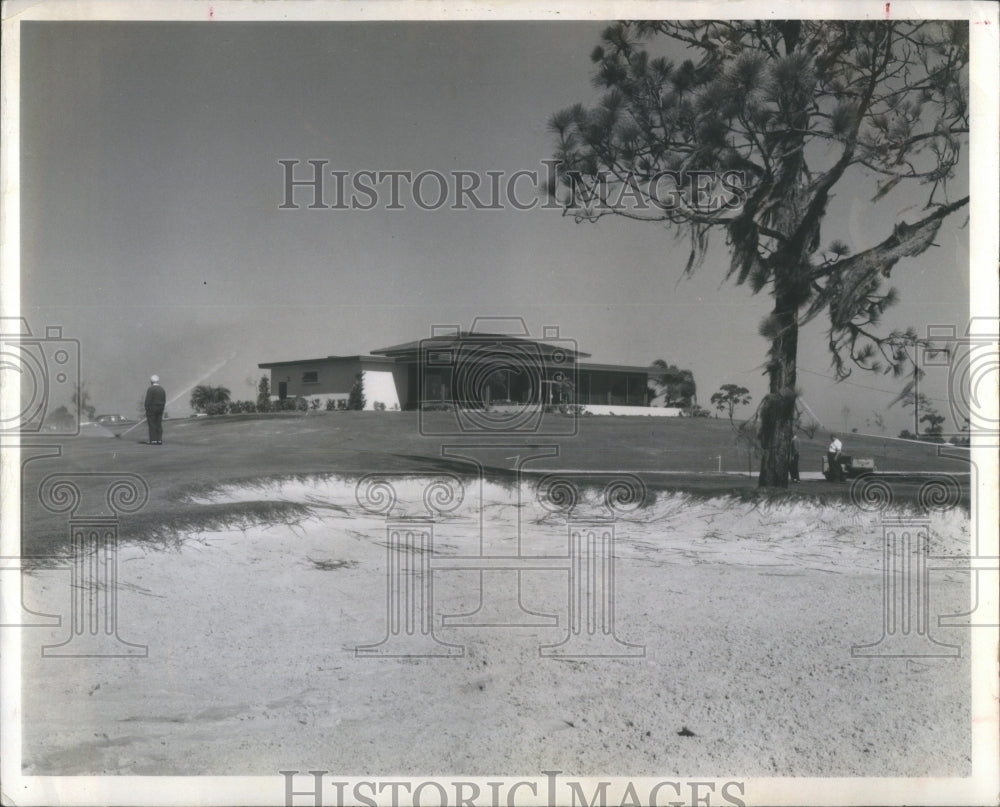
(414, 404)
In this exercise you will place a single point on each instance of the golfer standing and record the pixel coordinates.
(793, 459)
(156, 401)
(833, 457)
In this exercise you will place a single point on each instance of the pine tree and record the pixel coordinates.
(768, 117)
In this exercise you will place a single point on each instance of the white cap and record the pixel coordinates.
(154, 378)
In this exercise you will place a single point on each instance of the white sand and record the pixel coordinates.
(747, 616)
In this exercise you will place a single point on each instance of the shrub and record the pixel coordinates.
(341, 404)
(60, 418)
(204, 397)
(301, 405)
(314, 403)
(356, 399)
(264, 394)
(696, 411)
(378, 406)
(330, 405)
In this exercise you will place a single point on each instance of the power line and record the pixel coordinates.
(865, 386)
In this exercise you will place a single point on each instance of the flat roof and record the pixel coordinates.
(473, 337)
(378, 359)
(618, 368)
(587, 366)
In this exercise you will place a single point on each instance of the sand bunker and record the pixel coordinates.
(267, 648)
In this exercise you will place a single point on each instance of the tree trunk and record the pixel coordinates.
(777, 412)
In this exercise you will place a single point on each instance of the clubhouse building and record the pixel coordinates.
(476, 370)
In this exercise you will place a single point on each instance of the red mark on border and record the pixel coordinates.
(887, 10)
(211, 12)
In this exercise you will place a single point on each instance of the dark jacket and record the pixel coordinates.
(156, 398)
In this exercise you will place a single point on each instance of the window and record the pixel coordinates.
(310, 377)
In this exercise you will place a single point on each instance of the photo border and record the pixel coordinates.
(980, 787)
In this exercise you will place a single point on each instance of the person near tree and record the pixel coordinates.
(833, 453)
(793, 459)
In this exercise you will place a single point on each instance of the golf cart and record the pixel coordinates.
(850, 467)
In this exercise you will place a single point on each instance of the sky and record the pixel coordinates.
(151, 228)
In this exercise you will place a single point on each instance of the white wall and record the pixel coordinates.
(647, 411)
(380, 385)
(336, 377)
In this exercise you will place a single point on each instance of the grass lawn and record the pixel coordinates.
(667, 453)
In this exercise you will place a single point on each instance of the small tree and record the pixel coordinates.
(746, 441)
(676, 385)
(61, 418)
(356, 398)
(264, 394)
(965, 437)
(204, 397)
(81, 400)
(935, 425)
(879, 420)
(729, 397)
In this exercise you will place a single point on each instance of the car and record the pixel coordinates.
(112, 420)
